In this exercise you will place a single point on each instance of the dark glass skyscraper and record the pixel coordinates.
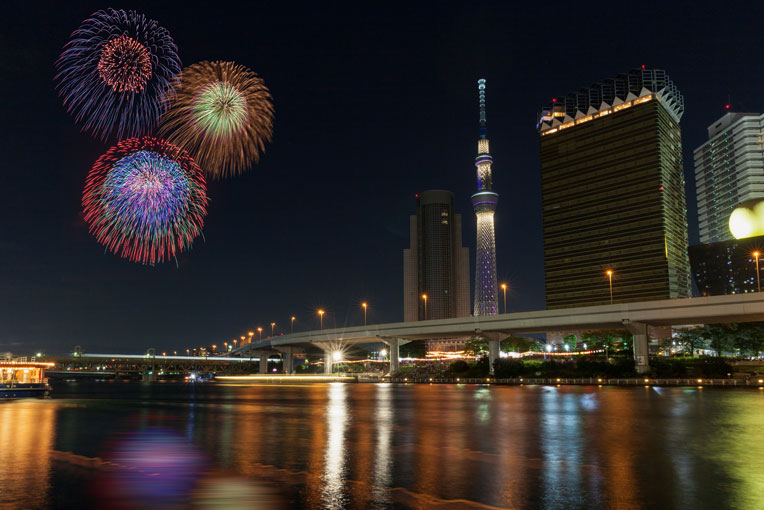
(613, 192)
(436, 265)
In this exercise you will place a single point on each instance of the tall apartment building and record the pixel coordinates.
(727, 267)
(613, 192)
(729, 170)
(436, 264)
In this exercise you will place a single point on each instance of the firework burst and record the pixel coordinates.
(116, 72)
(145, 199)
(222, 115)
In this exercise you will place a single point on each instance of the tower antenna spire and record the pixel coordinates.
(484, 204)
(481, 95)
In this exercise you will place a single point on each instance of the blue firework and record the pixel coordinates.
(115, 73)
(145, 199)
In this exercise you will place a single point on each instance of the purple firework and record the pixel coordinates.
(145, 199)
(115, 73)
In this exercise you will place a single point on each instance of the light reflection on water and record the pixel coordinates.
(337, 416)
(392, 446)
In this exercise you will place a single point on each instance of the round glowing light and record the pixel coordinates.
(125, 64)
(146, 200)
(220, 111)
(115, 74)
(337, 356)
(222, 115)
(744, 223)
(383, 352)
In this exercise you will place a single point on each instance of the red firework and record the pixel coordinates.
(146, 200)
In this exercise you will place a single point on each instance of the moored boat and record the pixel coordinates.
(24, 379)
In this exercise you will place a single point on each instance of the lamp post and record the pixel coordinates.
(365, 306)
(321, 317)
(424, 296)
(758, 283)
(273, 325)
(259, 333)
(251, 334)
(609, 274)
(504, 288)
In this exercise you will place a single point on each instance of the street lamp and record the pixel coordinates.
(273, 325)
(364, 305)
(424, 296)
(321, 317)
(293, 318)
(504, 288)
(609, 274)
(259, 333)
(756, 255)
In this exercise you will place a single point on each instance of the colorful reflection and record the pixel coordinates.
(383, 446)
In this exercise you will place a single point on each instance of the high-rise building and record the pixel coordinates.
(613, 192)
(727, 267)
(484, 204)
(729, 170)
(436, 264)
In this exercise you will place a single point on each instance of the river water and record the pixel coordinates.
(386, 446)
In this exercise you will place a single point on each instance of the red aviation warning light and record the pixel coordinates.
(643, 67)
(727, 106)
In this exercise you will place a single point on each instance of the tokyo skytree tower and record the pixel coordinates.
(484, 204)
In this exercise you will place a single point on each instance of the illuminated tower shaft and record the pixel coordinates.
(484, 204)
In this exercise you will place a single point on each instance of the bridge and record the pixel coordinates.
(636, 318)
(80, 364)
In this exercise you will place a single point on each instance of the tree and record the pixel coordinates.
(720, 337)
(570, 341)
(691, 339)
(749, 338)
(519, 344)
(476, 347)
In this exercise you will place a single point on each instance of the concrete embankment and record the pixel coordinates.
(588, 381)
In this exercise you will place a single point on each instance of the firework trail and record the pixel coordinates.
(145, 200)
(222, 115)
(115, 74)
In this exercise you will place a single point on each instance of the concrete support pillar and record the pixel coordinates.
(263, 362)
(641, 341)
(493, 353)
(395, 355)
(287, 359)
(328, 362)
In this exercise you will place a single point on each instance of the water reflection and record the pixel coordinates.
(385, 446)
(332, 493)
(383, 451)
(26, 436)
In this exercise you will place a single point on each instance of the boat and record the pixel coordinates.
(20, 378)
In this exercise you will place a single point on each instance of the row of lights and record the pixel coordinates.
(320, 312)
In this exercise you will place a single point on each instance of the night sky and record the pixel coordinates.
(373, 104)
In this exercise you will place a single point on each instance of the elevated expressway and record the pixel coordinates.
(635, 318)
